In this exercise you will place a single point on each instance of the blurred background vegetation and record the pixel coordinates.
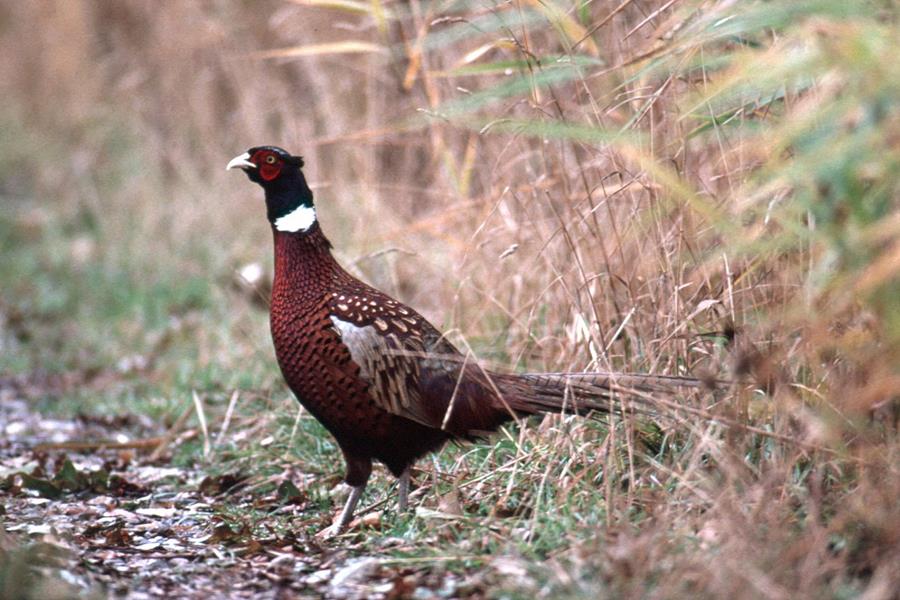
(680, 187)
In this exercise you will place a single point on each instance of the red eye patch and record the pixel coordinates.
(268, 171)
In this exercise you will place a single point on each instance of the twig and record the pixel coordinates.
(201, 416)
(170, 435)
(227, 420)
(296, 424)
(606, 20)
(146, 443)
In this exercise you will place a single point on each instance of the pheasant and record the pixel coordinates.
(382, 379)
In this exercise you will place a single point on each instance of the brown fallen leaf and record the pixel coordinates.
(449, 504)
(118, 537)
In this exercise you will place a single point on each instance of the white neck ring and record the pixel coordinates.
(300, 219)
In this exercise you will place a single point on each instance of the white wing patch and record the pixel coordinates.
(386, 365)
(348, 330)
(299, 219)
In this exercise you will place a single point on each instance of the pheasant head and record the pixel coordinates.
(289, 201)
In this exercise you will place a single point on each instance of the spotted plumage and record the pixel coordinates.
(381, 379)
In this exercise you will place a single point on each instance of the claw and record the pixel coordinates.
(329, 533)
(341, 522)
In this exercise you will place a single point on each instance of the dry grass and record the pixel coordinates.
(667, 187)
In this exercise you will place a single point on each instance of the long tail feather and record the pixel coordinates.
(589, 391)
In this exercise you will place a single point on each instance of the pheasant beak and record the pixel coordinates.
(240, 162)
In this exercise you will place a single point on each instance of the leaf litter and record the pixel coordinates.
(107, 520)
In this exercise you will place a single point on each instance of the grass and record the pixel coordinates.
(710, 189)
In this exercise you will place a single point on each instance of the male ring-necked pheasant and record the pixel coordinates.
(380, 378)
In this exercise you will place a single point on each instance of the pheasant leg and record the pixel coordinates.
(346, 514)
(403, 491)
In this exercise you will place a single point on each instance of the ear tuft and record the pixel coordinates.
(295, 160)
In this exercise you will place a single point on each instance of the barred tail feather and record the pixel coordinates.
(581, 393)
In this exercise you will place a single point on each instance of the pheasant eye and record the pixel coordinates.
(270, 159)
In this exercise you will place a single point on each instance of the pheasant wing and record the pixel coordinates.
(409, 366)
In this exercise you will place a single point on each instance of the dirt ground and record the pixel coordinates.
(119, 520)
